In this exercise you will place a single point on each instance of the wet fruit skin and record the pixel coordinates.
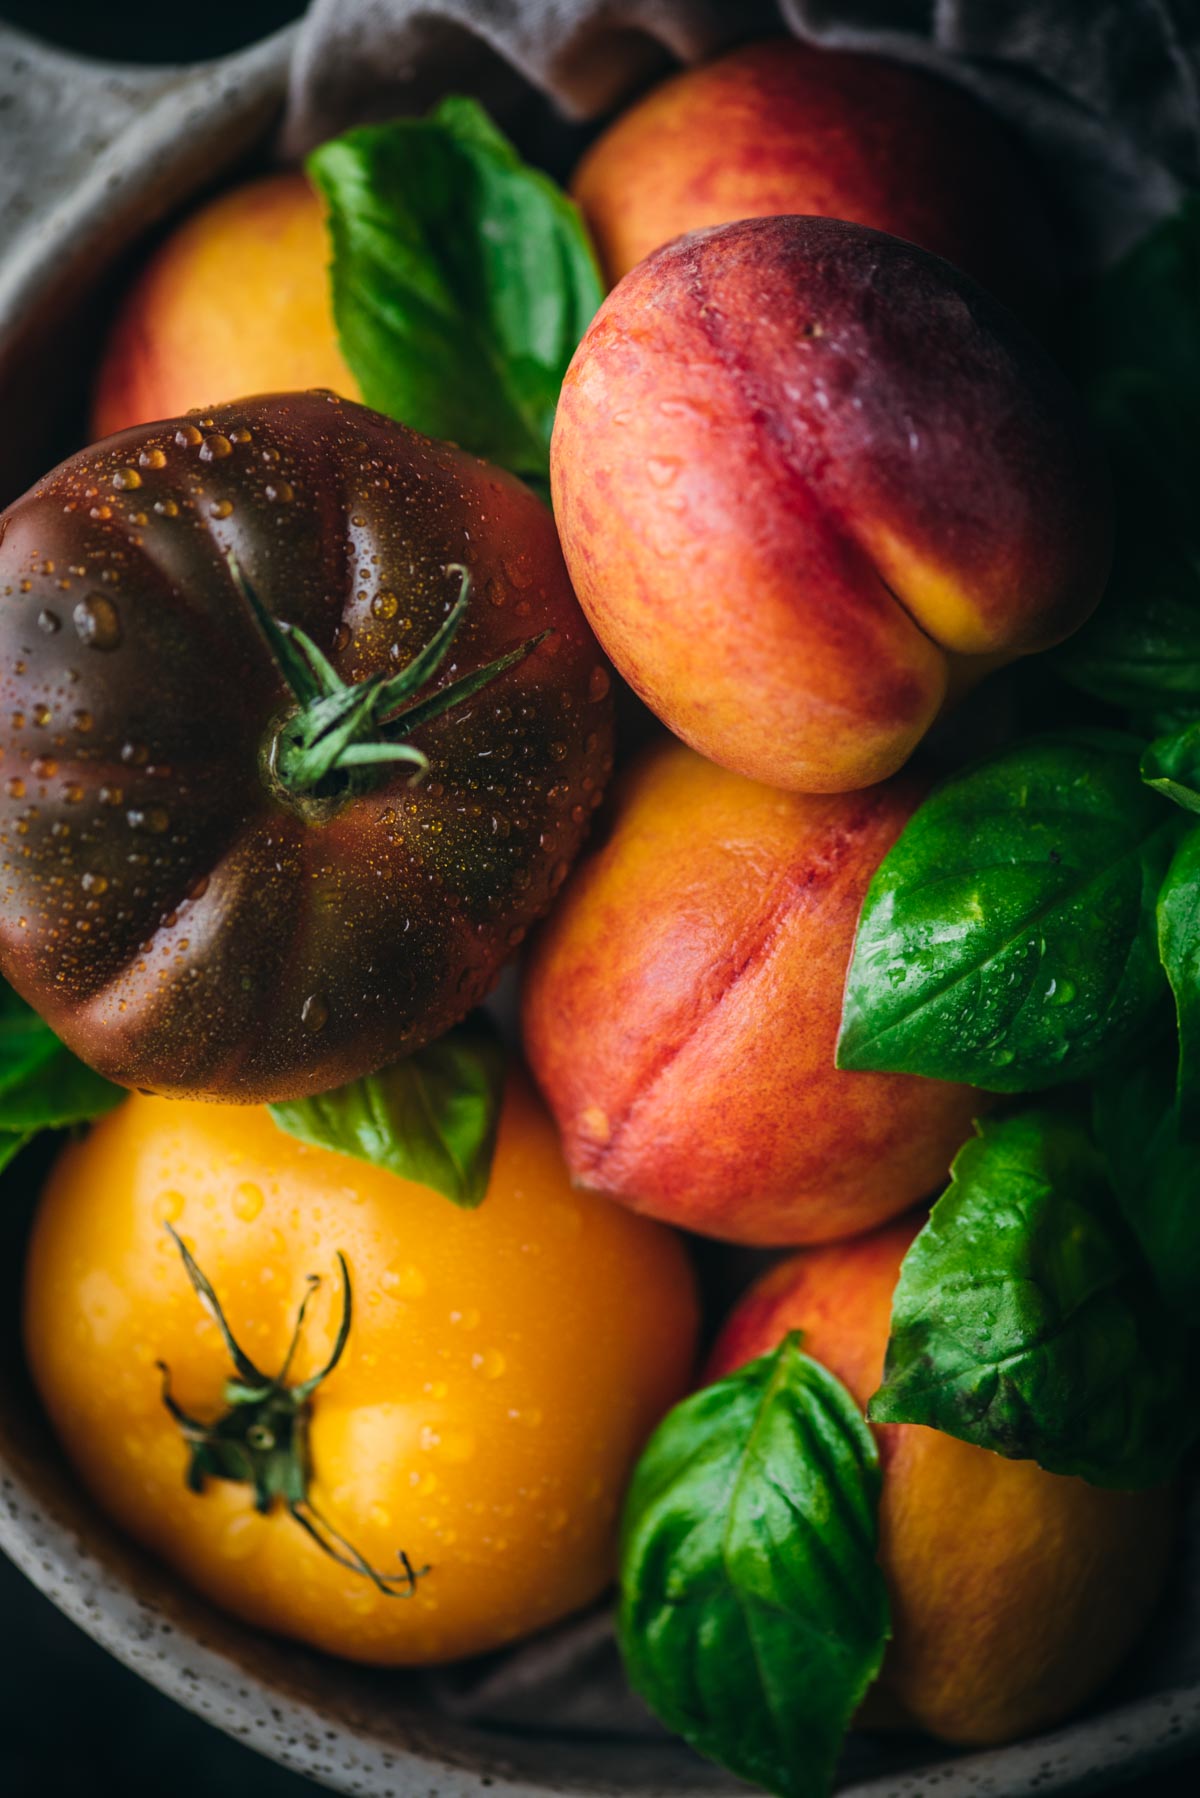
(179, 922)
(235, 301)
(503, 1369)
(781, 127)
(810, 481)
(680, 1012)
(1014, 1592)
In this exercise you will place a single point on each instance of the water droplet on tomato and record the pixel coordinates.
(15, 788)
(188, 436)
(240, 1536)
(384, 605)
(215, 448)
(247, 1201)
(49, 622)
(406, 1282)
(599, 683)
(492, 1363)
(314, 1013)
(152, 458)
(97, 622)
(96, 884)
(126, 479)
(456, 1446)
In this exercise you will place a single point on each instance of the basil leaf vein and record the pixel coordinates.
(1027, 1321)
(753, 1613)
(1179, 946)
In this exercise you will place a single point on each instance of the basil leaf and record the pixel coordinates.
(1025, 1321)
(1179, 946)
(42, 1085)
(1171, 765)
(432, 1118)
(1152, 1168)
(1141, 650)
(1144, 309)
(753, 1614)
(1008, 938)
(463, 280)
(11, 1143)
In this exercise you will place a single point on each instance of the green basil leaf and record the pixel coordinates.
(1152, 1168)
(1171, 765)
(753, 1614)
(463, 279)
(1144, 309)
(432, 1118)
(1141, 650)
(11, 1143)
(1008, 938)
(1179, 946)
(42, 1085)
(1025, 1321)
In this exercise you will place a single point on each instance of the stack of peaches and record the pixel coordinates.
(307, 718)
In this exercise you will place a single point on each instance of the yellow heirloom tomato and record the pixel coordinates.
(468, 1450)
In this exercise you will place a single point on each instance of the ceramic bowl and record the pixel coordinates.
(92, 159)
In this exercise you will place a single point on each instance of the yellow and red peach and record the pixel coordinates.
(1014, 1592)
(782, 127)
(681, 1006)
(236, 301)
(810, 481)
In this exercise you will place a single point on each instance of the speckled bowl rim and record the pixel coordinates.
(116, 150)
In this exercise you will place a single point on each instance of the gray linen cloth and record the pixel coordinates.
(1105, 92)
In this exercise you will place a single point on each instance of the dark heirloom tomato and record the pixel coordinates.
(183, 920)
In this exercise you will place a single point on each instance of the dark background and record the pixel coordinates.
(71, 1719)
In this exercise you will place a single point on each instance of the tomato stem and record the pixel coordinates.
(341, 735)
(262, 1440)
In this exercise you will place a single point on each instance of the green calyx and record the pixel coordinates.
(261, 1441)
(342, 736)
